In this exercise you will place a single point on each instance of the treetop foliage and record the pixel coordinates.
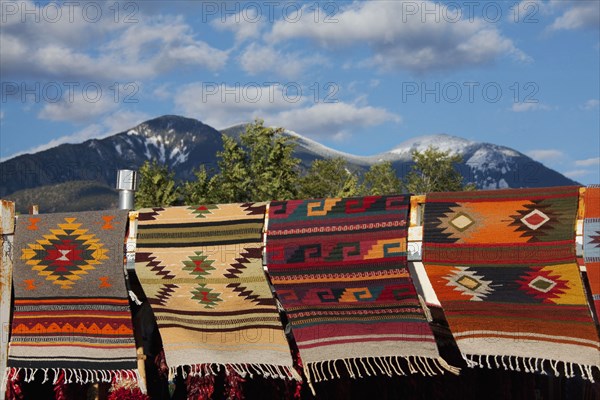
(262, 167)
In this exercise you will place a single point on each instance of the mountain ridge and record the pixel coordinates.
(185, 143)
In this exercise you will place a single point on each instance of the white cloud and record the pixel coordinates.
(121, 121)
(104, 54)
(576, 173)
(591, 104)
(586, 170)
(531, 11)
(525, 107)
(165, 43)
(78, 110)
(331, 119)
(546, 154)
(222, 106)
(400, 39)
(589, 162)
(373, 83)
(162, 92)
(89, 132)
(263, 58)
(112, 124)
(581, 14)
(246, 24)
(1, 115)
(100, 51)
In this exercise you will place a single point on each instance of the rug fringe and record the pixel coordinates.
(141, 382)
(372, 366)
(5, 378)
(72, 375)
(265, 370)
(453, 370)
(425, 308)
(532, 365)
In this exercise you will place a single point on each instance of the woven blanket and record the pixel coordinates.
(591, 241)
(71, 311)
(339, 269)
(503, 265)
(201, 269)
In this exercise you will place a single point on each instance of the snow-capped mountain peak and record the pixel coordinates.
(184, 144)
(324, 151)
(442, 142)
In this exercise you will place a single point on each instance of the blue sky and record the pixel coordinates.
(361, 77)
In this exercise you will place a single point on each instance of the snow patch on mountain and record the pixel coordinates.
(324, 151)
(484, 159)
(178, 156)
(442, 142)
(184, 143)
(508, 152)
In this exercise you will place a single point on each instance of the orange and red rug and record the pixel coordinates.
(503, 266)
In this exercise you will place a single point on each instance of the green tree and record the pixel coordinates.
(329, 178)
(273, 169)
(259, 168)
(232, 183)
(200, 190)
(435, 171)
(381, 179)
(157, 186)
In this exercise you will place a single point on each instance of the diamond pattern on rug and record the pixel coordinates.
(65, 254)
(509, 283)
(541, 220)
(594, 240)
(200, 266)
(339, 268)
(201, 269)
(461, 222)
(469, 283)
(71, 310)
(203, 210)
(535, 219)
(543, 284)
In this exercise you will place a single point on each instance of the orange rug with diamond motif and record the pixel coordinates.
(503, 266)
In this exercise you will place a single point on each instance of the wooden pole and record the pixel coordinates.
(579, 253)
(421, 281)
(579, 225)
(34, 209)
(7, 230)
(415, 228)
(130, 266)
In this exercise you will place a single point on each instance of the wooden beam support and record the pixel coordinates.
(7, 230)
(415, 228)
(130, 247)
(579, 225)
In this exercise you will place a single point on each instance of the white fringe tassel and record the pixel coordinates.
(371, 366)
(244, 370)
(4, 382)
(532, 365)
(81, 376)
(134, 298)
